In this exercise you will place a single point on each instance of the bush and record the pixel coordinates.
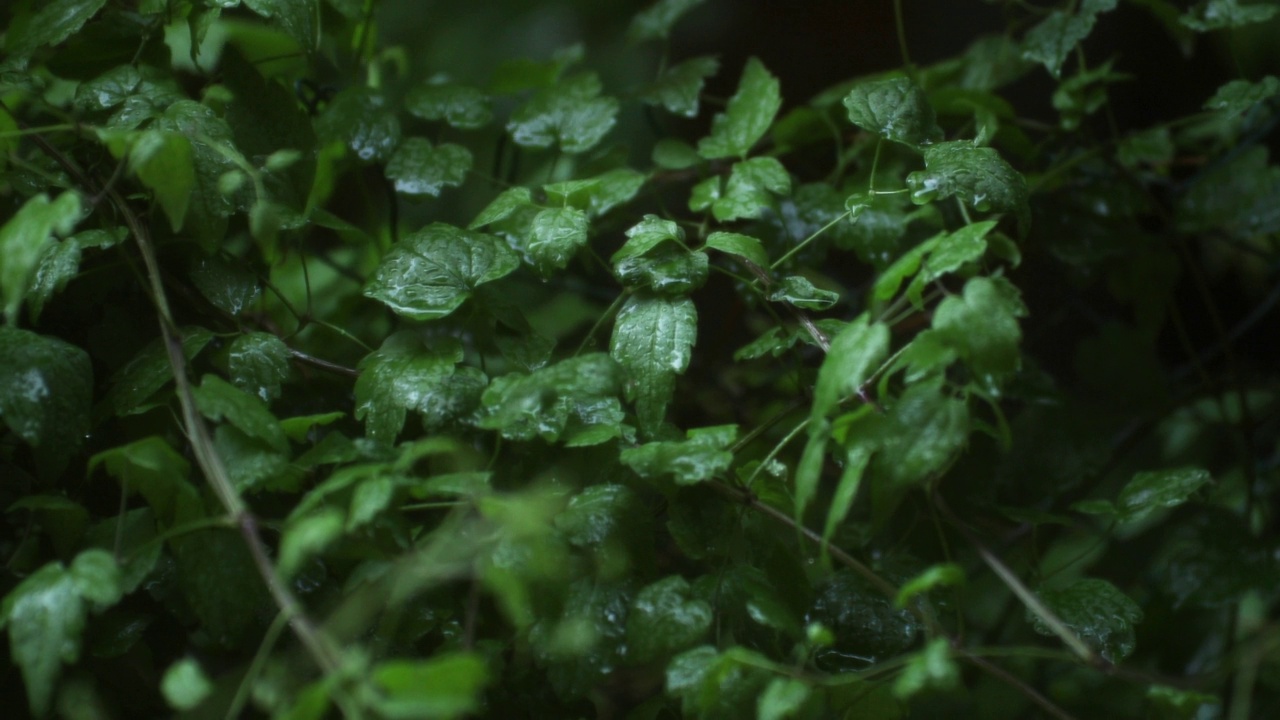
(338, 377)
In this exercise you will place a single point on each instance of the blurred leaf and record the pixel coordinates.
(58, 264)
(417, 168)
(459, 105)
(560, 401)
(46, 386)
(652, 340)
(655, 22)
(25, 238)
(1209, 15)
(1057, 35)
(982, 326)
(978, 176)
(934, 576)
(185, 684)
(258, 362)
(679, 88)
(1152, 491)
(798, 291)
(747, 118)
(932, 667)
(429, 273)
(300, 19)
(702, 456)
(149, 371)
(924, 430)
(448, 685)
(229, 285)
(571, 113)
(1239, 96)
(53, 23)
(1097, 612)
(360, 119)
(1240, 197)
(665, 619)
(408, 372)
(894, 108)
(219, 400)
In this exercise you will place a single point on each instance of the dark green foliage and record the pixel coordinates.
(379, 360)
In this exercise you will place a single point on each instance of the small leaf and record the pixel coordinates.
(665, 619)
(574, 396)
(655, 22)
(572, 113)
(744, 246)
(782, 699)
(408, 372)
(679, 88)
(46, 387)
(647, 234)
(258, 362)
(229, 285)
(672, 154)
(448, 685)
(299, 19)
(1096, 611)
(460, 106)
(417, 168)
(58, 264)
(944, 575)
(1239, 96)
(982, 326)
(219, 400)
(1057, 35)
(25, 238)
(360, 119)
(149, 371)
(1150, 492)
(555, 237)
(308, 536)
(748, 190)
(951, 252)
(976, 175)
(747, 118)
(652, 340)
(1209, 15)
(799, 291)
(165, 162)
(507, 202)
(932, 667)
(185, 685)
(702, 456)
(894, 108)
(428, 274)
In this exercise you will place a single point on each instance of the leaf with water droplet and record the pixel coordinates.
(359, 119)
(1060, 32)
(894, 108)
(702, 456)
(748, 116)
(46, 387)
(428, 274)
(664, 619)
(978, 176)
(1097, 612)
(652, 340)
(801, 292)
(459, 105)
(226, 283)
(574, 396)
(982, 325)
(410, 371)
(418, 168)
(555, 237)
(258, 362)
(572, 113)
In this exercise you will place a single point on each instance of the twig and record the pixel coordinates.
(1001, 674)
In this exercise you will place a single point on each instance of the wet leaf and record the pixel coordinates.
(978, 176)
(149, 371)
(1057, 35)
(866, 626)
(679, 88)
(571, 113)
(555, 237)
(360, 119)
(229, 285)
(459, 105)
(982, 325)
(1239, 96)
(748, 116)
(220, 400)
(428, 274)
(567, 399)
(408, 372)
(655, 22)
(799, 291)
(258, 363)
(652, 340)
(747, 193)
(1209, 15)
(664, 619)
(894, 108)
(1097, 612)
(744, 246)
(54, 22)
(299, 19)
(418, 168)
(46, 386)
(25, 238)
(1152, 491)
(702, 456)
(507, 202)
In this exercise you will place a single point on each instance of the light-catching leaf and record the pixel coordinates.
(299, 19)
(412, 372)
(360, 119)
(1151, 491)
(1209, 15)
(149, 371)
(664, 619)
(501, 207)
(1238, 96)
(976, 175)
(748, 116)
(54, 22)
(445, 686)
(747, 193)
(894, 108)
(574, 400)
(555, 237)
(982, 325)
(652, 340)
(459, 105)
(1097, 612)
(702, 456)
(1057, 35)
(258, 363)
(46, 387)
(932, 667)
(572, 113)
(800, 291)
(428, 274)
(944, 575)
(744, 246)
(25, 238)
(679, 88)
(220, 400)
(418, 168)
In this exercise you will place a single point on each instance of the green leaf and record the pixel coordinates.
(428, 274)
(925, 429)
(218, 579)
(866, 626)
(1097, 612)
(220, 400)
(703, 195)
(53, 23)
(668, 269)
(24, 240)
(655, 23)
(856, 461)
(1057, 35)
(1240, 197)
(299, 19)
(744, 246)
(748, 116)
(671, 154)
(574, 399)
(308, 536)
(748, 190)
(360, 119)
(949, 253)
(165, 162)
(1239, 96)
(572, 113)
(185, 685)
(507, 202)
(448, 685)
(417, 168)
(408, 372)
(679, 88)
(59, 262)
(646, 235)
(46, 387)
(932, 667)
(894, 108)
(664, 619)
(652, 340)
(258, 362)
(1209, 15)
(1151, 491)
(588, 642)
(702, 456)
(597, 195)
(1084, 93)
(711, 684)
(944, 575)
(978, 176)
(229, 285)
(799, 291)
(555, 237)
(151, 467)
(782, 699)
(149, 371)
(856, 352)
(982, 326)
(459, 105)
(45, 615)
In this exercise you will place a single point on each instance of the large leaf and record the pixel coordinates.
(459, 105)
(572, 113)
(894, 108)
(360, 119)
(652, 340)
(748, 116)
(747, 193)
(46, 386)
(220, 400)
(430, 273)
(982, 325)
(1097, 612)
(25, 238)
(258, 363)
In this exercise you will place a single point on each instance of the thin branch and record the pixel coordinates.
(1001, 674)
